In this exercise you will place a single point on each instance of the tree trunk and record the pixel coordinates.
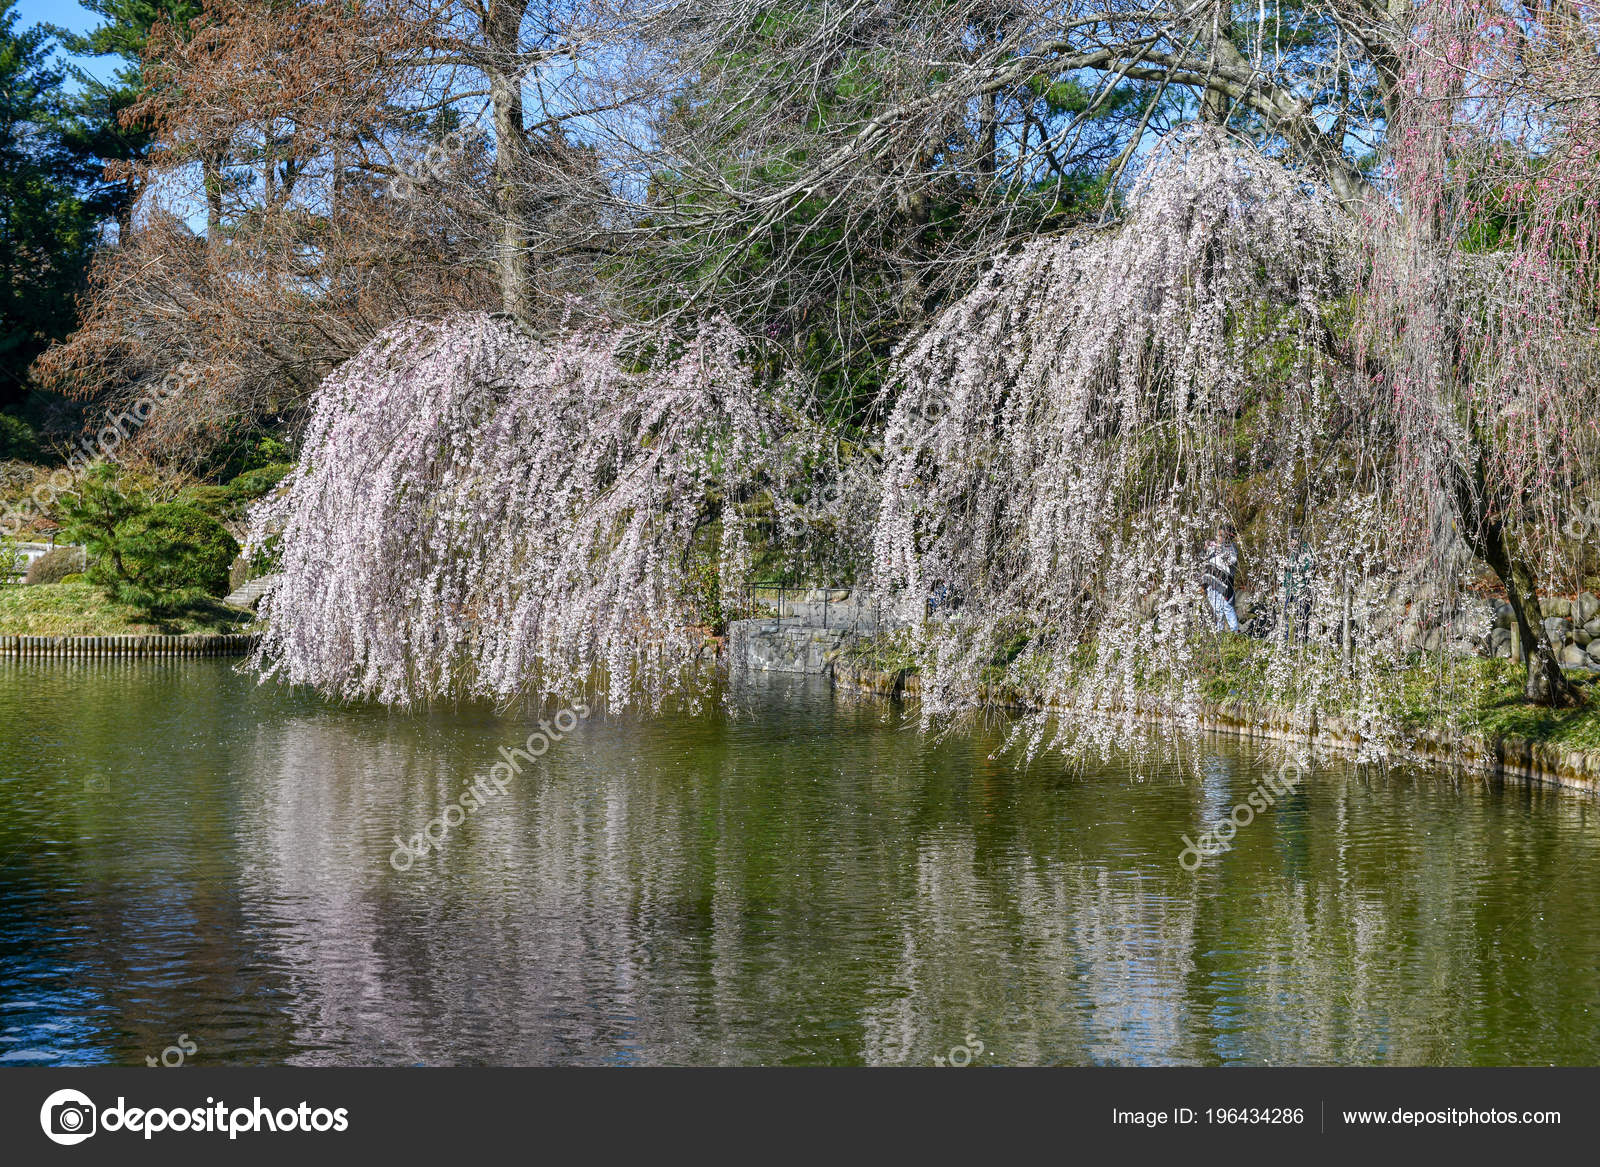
(1546, 683)
(1214, 100)
(988, 132)
(503, 32)
(125, 209)
(211, 177)
(912, 255)
(1486, 534)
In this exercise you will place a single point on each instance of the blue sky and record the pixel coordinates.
(68, 15)
(63, 12)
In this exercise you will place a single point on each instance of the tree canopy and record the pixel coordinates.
(1035, 293)
(47, 226)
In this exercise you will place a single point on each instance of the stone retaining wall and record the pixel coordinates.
(768, 646)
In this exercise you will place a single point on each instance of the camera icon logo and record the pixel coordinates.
(68, 1117)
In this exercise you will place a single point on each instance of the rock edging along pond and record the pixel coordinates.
(1502, 757)
(227, 644)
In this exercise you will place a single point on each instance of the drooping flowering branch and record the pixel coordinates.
(1479, 312)
(1069, 433)
(478, 513)
(1414, 390)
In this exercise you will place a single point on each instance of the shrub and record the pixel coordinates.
(54, 566)
(229, 503)
(169, 552)
(253, 484)
(17, 440)
(244, 453)
(219, 502)
(157, 557)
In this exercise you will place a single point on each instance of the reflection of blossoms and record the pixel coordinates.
(1217, 838)
(479, 513)
(491, 784)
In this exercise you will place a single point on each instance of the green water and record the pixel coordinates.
(806, 880)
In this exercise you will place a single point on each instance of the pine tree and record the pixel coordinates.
(46, 229)
(97, 132)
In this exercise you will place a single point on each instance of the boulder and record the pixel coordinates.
(1573, 655)
(1593, 628)
(1504, 617)
(1500, 642)
(1556, 606)
(1557, 629)
(1581, 637)
(1588, 606)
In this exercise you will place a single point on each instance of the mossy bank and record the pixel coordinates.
(1467, 713)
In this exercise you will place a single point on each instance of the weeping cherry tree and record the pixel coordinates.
(479, 513)
(1069, 433)
(1478, 323)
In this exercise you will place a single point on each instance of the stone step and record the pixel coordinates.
(250, 592)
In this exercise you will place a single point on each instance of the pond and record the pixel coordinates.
(196, 868)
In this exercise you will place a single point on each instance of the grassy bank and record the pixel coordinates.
(1467, 696)
(82, 609)
(1472, 696)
